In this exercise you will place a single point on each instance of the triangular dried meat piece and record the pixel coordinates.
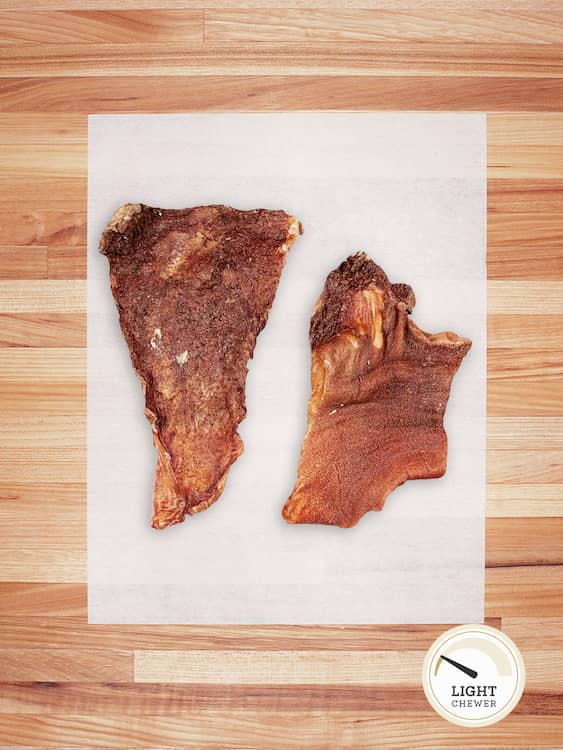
(194, 288)
(379, 391)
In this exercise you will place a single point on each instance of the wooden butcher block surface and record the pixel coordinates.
(64, 683)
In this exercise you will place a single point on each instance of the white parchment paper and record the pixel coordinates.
(410, 190)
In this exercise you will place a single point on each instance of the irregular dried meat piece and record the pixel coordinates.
(194, 288)
(379, 391)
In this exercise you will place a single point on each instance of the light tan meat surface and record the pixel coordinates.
(380, 386)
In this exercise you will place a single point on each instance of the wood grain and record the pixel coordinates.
(519, 590)
(525, 500)
(274, 729)
(174, 699)
(42, 296)
(42, 330)
(304, 668)
(75, 632)
(44, 398)
(524, 433)
(512, 195)
(45, 366)
(534, 364)
(306, 25)
(62, 665)
(408, 5)
(529, 297)
(525, 397)
(23, 263)
(131, 26)
(279, 667)
(43, 599)
(42, 227)
(514, 541)
(110, 94)
(424, 58)
(524, 630)
(65, 683)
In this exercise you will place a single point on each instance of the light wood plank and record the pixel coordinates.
(56, 27)
(33, 262)
(50, 5)
(38, 366)
(66, 262)
(66, 665)
(37, 128)
(543, 667)
(525, 162)
(175, 699)
(75, 632)
(303, 668)
(443, 59)
(60, 159)
(527, 632)
(45, 464)
(42, 227)
(46, 497)
(50, 399)
(43, 329)
(23, 262)
(524, 541)
(327, 668)
(525, 433)
(42, 296)
(525, 397)
(537, 365)
(520, 591)
(527, 231)
(525, 500)
(26, 192)
(215, 729)
(525, 467)
(30, 431)
(279, 667)
(25, 558)
(303, 25)
(43, 175)
(509, 195)
(271, 93)
(510, 331)
(43, 599)
(55, 564)
(525, 297)
(520, 262)
(510, 129)
(43, 526)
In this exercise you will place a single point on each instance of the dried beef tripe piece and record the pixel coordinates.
(194, 288)
(379, 391)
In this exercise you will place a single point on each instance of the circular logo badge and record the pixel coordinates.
(473, 675)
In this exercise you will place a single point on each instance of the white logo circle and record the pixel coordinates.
(473, 675)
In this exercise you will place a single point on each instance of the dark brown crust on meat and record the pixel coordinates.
(379, 391)
(194, 288)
